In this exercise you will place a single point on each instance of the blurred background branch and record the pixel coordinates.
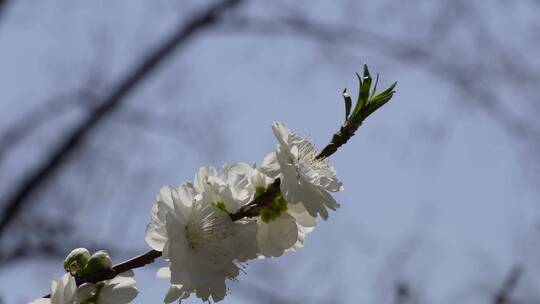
(107, 106)
(3, 4)
(98, 113)
(504, 294)
(46, 112)
(419, 54)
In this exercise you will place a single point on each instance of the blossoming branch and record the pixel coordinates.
(209, 227)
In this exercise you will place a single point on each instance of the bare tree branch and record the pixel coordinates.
(403, 293)
(459, 75)
(30, 122)
(3, 4)
(108, 105)
(503, 295)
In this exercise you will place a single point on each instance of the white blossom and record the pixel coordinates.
(191, 226)
(229, 186)
(285, 233)
(305, 179)
(288, 230)
(63, 291)
(118, 290)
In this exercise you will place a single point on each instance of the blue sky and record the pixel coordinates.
(436, 192)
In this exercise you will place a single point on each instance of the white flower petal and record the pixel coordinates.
(156, 235)
(303, 218)
(41, 301)
(304, 178)
(270, 165)
(281, 132)
(175, 292)
(85, 291)
(276, 237)
(63, 290)
(283, 231)
(183, 198)
(119, 290)
(198, 238)
(266, 247)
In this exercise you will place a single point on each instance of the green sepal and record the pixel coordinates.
(258, 191)
(76, 260)
(271, 213)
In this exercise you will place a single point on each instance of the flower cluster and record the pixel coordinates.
(79, 263)
(209, 228)
(196, 225)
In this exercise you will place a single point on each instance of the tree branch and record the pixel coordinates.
(136, 262)
(51, 107)
(3, 4)
(418, 56)
(504, 293)
(403, 293)
(250, 210)
(266, 199)
(111, 102)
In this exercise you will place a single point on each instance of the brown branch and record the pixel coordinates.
(250, 210)
(12, 205)
(339, 139)
(254, 208)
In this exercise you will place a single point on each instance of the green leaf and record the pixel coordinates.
(359, 104)
(366, 85)
(379, 100)
(359, 78)
(374, 106)
(387, 91)
(374, 87)
(363, 94)
(368, 100)
(348, 103)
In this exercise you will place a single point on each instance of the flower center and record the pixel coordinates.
(220, 205)
(207, 232)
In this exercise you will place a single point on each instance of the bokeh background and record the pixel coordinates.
(103, 102)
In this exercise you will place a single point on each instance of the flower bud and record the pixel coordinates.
(76, 260)
(98, 262)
